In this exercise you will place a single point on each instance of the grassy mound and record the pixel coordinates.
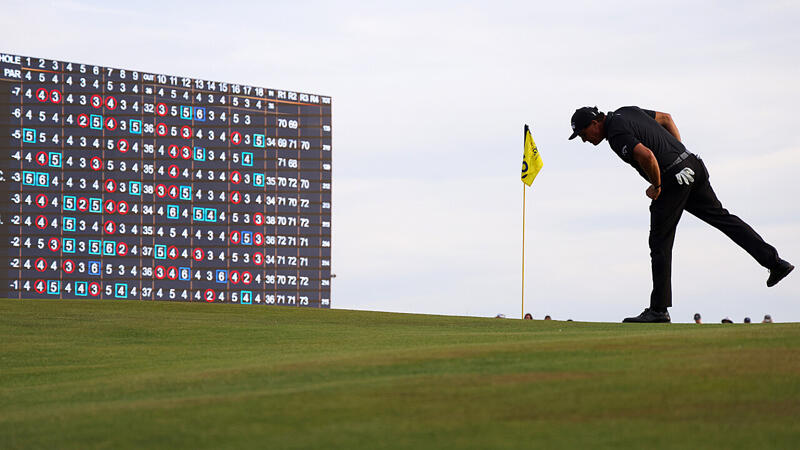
(128, 374)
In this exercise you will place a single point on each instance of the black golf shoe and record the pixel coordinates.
(649, 316)
(779, 272)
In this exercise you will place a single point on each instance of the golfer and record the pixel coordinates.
(650, 142)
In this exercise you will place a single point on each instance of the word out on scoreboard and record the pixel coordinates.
(120, 184)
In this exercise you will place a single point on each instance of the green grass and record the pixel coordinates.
(127, 374)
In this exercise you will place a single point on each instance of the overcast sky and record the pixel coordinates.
(429, 103)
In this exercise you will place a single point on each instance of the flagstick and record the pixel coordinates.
(523, 252)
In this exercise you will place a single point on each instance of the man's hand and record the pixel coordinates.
(653, 192)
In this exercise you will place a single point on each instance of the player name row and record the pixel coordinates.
(312, 266)
(68, 247)
(185, 277)
(159, 103)
(180, 276)
(39, 180)
(28, 69)
(307, 225)
(120, 213)
(138, 192)
(132, 269)
(210, 237)
(71, 270)
(52, 155)
(306, 204)
(77, 118)
(200, 217)
(171, 207)
(248, 171)
(221, 109)
(148, 183)
(134, 225)
(130, 148)
(47, 288)
(244, 293)
(52, 136)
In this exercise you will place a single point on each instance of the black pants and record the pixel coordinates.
(699, 199)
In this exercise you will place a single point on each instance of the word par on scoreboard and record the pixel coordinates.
(121, 184)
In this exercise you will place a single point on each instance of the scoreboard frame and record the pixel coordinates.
(122, 184)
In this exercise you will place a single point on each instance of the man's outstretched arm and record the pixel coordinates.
(649, 164)
(665, 120)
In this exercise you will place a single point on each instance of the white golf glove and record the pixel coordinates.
(685, 176)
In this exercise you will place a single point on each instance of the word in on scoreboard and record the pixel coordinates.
(121, 184)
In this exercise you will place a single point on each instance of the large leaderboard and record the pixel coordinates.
(120, 184)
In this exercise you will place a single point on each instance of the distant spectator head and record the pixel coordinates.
(500, 316)
(547, 318)
(697, 318)
(767, 319)
(528, 316)
(727, 320)
(746, 320)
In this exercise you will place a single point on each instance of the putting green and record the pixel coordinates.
(134, 374)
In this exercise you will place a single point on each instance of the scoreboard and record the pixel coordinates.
(122, 184)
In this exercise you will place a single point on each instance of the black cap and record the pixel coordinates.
(696, 316)
(582, 118)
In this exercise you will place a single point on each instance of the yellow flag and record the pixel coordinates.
(531, 160)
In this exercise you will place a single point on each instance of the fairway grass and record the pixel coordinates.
(137, 374)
